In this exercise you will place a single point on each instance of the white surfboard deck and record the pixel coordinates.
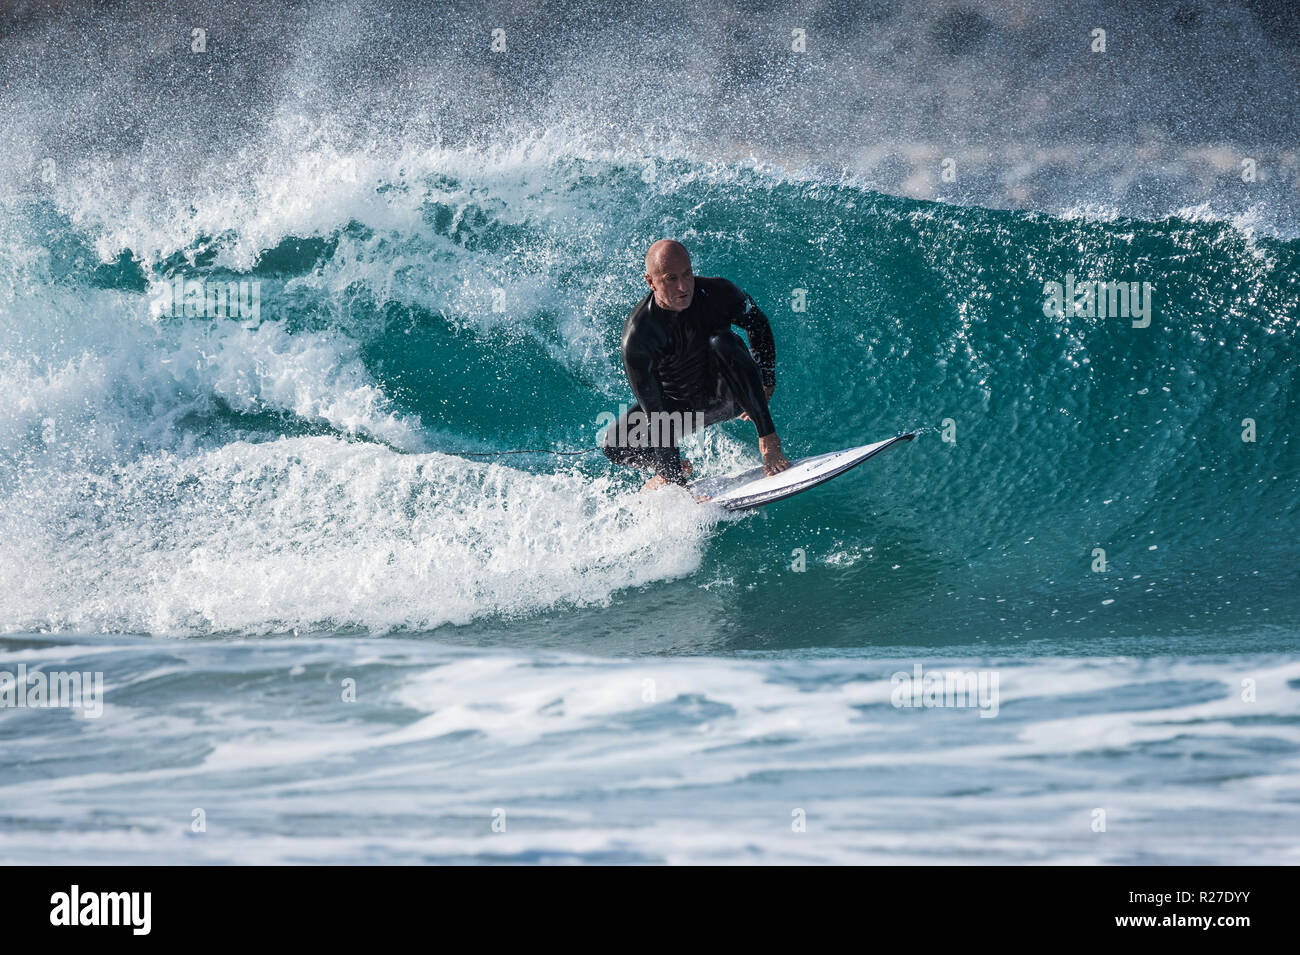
(737, 492)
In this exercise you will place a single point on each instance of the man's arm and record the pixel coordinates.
(748, 316)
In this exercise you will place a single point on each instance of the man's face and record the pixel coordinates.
(673, 282)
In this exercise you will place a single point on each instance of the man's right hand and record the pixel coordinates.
(774, 461)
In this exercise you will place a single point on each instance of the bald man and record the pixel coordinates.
(681, 356)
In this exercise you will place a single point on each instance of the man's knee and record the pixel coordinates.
(733, 359)
(728, 344)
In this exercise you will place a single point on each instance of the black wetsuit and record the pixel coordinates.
(691, 361)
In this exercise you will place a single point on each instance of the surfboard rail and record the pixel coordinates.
(753, 488)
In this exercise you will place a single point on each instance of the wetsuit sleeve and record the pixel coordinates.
(762, 345)
(650, 396)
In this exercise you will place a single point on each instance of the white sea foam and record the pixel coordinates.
(653, 759)
(317, 532)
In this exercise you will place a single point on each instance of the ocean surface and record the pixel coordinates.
(332, 627)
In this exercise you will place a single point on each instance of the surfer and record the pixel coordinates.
(684, 362)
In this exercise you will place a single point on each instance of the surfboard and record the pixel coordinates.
(738, 492)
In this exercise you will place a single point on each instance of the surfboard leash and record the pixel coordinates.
(481, 454)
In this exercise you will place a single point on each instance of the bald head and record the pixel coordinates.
(668, 273)
(666, 252)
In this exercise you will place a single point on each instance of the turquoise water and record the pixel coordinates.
(329, 631)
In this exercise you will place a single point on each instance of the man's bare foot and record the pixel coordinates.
(774, 461)
(659, 480)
